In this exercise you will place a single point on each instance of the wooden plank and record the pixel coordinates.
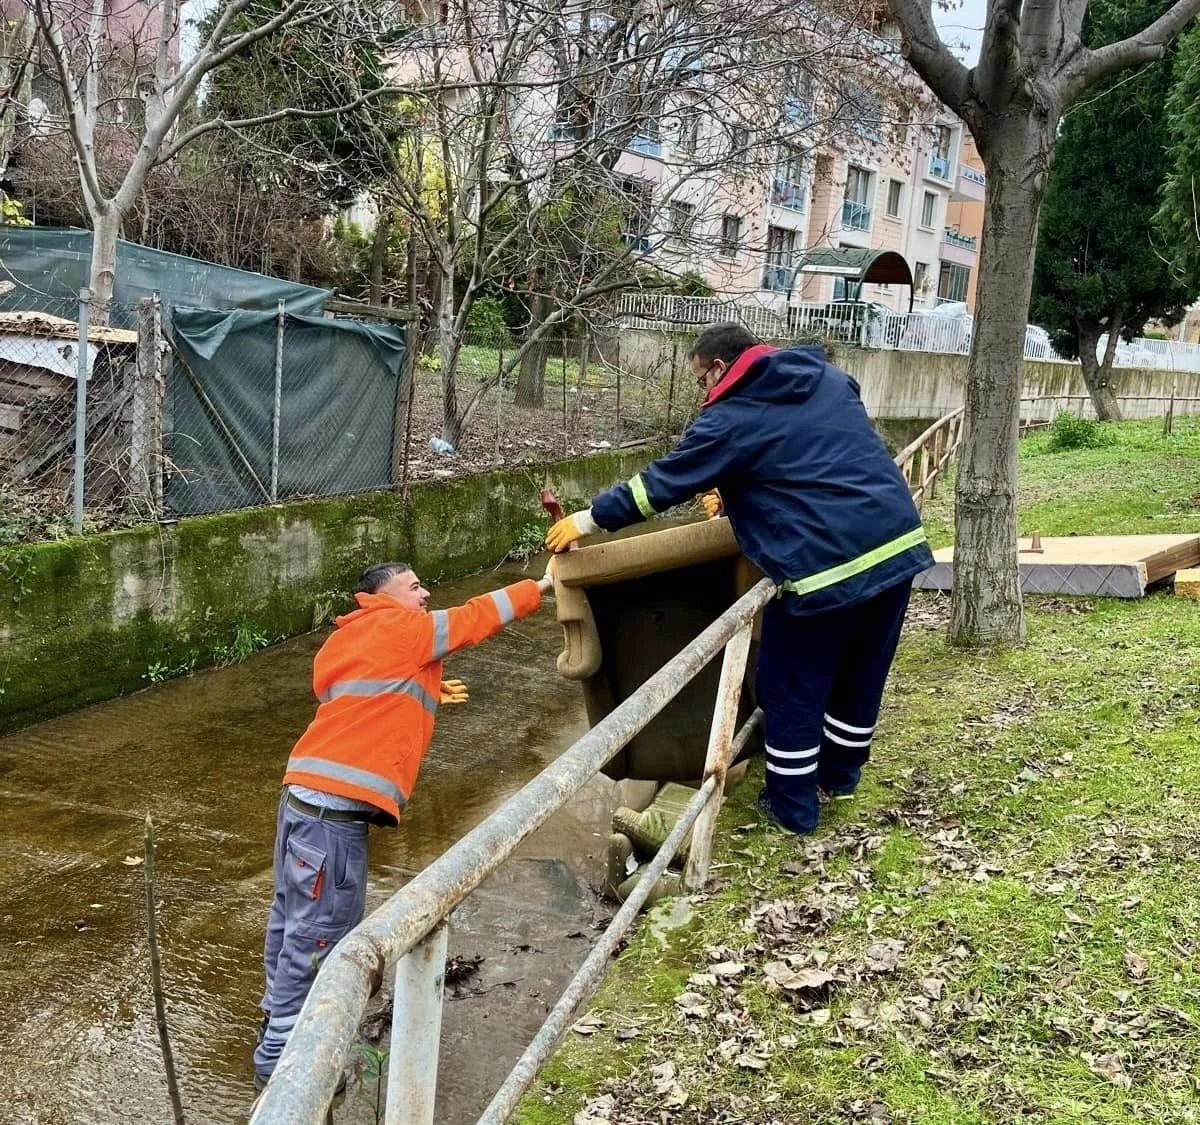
(1119, 566)
(10, 416)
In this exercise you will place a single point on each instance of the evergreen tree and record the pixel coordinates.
(1100, 264)
(1179, 214)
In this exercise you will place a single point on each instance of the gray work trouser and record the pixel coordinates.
(320, 893)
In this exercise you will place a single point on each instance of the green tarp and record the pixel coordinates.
(50, 266)
(338, 389)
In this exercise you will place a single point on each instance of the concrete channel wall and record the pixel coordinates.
(926, 385)
(92, 617)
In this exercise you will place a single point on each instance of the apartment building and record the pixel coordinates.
(743, 186)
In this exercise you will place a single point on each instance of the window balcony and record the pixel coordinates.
(962, 241)
(644, 145)
(785, 193)
(969, 186)
(939, 167)
(856, 216)
(776, 278)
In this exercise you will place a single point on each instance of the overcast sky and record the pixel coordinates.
(962, 28)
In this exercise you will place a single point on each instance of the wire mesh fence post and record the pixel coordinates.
(566, 437)
(671, 382)
(81, 380)
(146, 413)
(280, 320)
(499, 393)
(617, 441)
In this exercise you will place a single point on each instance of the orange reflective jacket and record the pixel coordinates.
(378, 679)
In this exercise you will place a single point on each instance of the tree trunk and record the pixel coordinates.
(16, 76)
(448, 346)
(106, 230)
(531, 381)
(986, 606)
(383, 228)
(1097, 376)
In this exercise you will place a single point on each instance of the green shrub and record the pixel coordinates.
(1070, 432)
(486, 319)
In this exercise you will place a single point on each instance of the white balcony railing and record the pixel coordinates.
(856, 216)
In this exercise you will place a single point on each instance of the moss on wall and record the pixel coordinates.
(96, 616)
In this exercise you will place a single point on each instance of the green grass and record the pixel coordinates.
(1029, 831)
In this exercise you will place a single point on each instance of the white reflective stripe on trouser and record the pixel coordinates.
(792, 756)
(847, 727)
(441, 633)
(380, 687)
(844, 741)
(504, 606)
(352, 775)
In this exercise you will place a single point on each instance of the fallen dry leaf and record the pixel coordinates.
(1111, 1067)
(781, 975)
(692, 1005)
(597, 1112)
(884, 956)
(1136, 965)
(133, 860)
(932, 987)
(589, 1025)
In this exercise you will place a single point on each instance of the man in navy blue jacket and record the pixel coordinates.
(818, 505)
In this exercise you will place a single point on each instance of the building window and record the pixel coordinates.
(689, 129)
(635, 204)
(952, 282)
(895, 187)
(798, 101)
(856, 209)
(730, 245)
(939, 157)
(862, 111)
(788, 189)
(739, 140)
(928, 210)
(683, 215)
(781, 254)
(920, 276)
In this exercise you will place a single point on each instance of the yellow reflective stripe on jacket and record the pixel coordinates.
(849, 569)
(638, 487)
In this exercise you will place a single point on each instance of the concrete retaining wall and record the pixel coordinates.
(89, 618)
(926, 385)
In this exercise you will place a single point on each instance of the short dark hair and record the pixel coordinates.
(379, 575)
(722, 341)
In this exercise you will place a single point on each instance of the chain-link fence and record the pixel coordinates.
(568, 395)
(46, 489)
(187, 411)
(264, 407)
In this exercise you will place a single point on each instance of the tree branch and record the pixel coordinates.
(929, 56)
(1146, 46)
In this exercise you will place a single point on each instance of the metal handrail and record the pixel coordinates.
(930, 453)
(318, 1049)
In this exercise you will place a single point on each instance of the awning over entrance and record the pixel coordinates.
(880, 267)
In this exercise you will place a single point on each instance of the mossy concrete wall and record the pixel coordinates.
(86, 619)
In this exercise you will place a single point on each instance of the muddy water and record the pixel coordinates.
(204, 756)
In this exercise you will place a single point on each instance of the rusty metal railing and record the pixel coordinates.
(409, 929)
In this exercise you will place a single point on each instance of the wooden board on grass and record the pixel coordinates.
(1106, 566)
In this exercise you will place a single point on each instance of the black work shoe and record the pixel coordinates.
(262, 1028)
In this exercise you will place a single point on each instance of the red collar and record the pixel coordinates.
(740, 366)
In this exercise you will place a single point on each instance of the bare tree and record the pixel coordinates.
(1032, 66)
(124, 89)
(565, 146)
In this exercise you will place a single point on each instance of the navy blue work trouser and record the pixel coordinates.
(820, 682)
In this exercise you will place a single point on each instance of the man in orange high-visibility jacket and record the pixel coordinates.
(378, 680)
